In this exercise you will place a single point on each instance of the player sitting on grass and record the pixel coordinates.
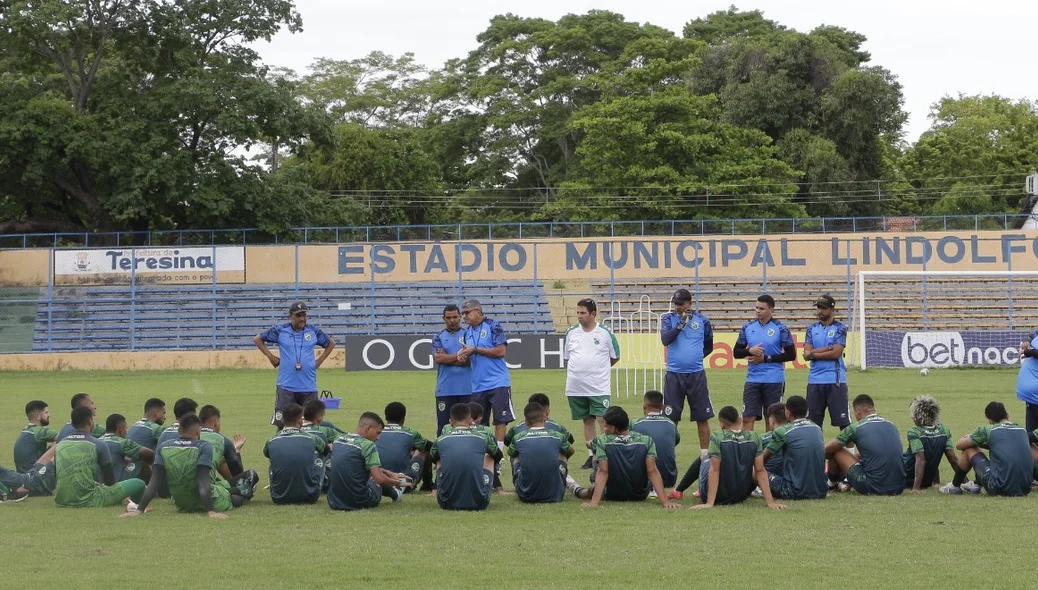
(539, 458)
(402, 449)
(32, 442)
(481, 429)
(798, 441)
(125, 453)
(625, 465)
(315, 424)
(296, 461)
(188, 465)
(879, 469)
(39, 480)
(928, 442)
(775, 416)
(542, 400)
(78, 458)
(147, 430)
(1010, 470)
(663, 432)
(735, 463)
(465, 463)
(181, 408)
(226, 452)
(82, 400)
(358, 479)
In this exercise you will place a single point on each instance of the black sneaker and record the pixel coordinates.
(587, 464)
(13, 496)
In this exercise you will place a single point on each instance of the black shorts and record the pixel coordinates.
(832, 396)
(758, 397)
(677, 387)
(1031, 417)
(283, 397)
(443, 409)
(496, 402)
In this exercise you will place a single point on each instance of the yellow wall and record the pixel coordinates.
(26, 268)
(646, 351)
(148, 361)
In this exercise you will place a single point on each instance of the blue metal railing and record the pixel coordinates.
(517, 230)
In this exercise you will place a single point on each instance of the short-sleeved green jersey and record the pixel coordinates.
(932, 442)
(353, 458)
(325, 433)
(145, 432)
(461, 483)
(1012, 464)
(121, 449)
(397, 443)
(31, 445)
(219, 443)
(77, 459)
(539, 475)
(626, 455)
(879, 446)
(518, 427)
(738, 450)
(181, 459)
(296, 466)
(479, 429)
(68, 429)
(802, 447)
(774, 462)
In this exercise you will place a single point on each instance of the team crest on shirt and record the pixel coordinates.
(695, 325)
(771, 331)
(308, 336)
(441, 407)
(596, 341)
(831, 333)
(483, 333)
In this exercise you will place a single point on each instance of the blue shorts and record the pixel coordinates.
(443, 409)
(758, 397)
(496, 402)
(832, 396)
(678, 387)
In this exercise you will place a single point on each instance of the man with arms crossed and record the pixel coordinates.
(590, 350)
(767, 345)
(827, 382)
(296, 364)
(453, 377)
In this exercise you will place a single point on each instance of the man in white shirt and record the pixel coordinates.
(590, 351)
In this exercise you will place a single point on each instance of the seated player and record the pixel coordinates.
(82, 400)
(1010, 470)
(624, 469)
(228, 451)
(34, 438)
(315, 424)
(543, 401)
(539, 457)
(78, 458)
(358, 479)
(296, 461)
(775, 416)
(928, 442)
(878, 469)
(147, 430)
(39, 480)
(181, 408)
(125, 453)
(735, 462)
(481, 429)
(800, 475)
(465, 461)
(663, 432)
(187, 463)
(402, 449)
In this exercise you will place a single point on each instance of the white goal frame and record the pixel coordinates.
(863, 275)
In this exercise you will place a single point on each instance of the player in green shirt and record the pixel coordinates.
(879, 468)
(539, 458)
(125, 453)
(735, 462)
(78, 457)
(188, 464)
(625, 464)
(82, 400)
(358, 479)
(226, 452)
(928, 442)
(542, 400)
(314, 423)
(33, 440)
(1010, 471)
(797, 441)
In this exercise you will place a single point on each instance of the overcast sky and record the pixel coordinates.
(934, 47)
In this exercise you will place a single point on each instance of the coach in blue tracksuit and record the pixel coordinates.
(1027, 380)
(827, 383)
(296, 364)
(767, 344)
(453, 377)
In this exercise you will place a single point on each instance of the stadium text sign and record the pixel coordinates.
(943, 349)
(150, 265)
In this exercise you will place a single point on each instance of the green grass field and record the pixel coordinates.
(931, 538)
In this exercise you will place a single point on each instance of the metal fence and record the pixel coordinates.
(518, 230)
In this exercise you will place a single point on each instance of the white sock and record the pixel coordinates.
(704, 454)
(501, 446)
(590, 453)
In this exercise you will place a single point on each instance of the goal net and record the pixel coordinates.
(941, 319)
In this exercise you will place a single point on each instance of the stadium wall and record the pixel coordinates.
(149, 361)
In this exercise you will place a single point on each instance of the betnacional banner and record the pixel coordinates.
(172, 265)
(646, 257)
(933, 349)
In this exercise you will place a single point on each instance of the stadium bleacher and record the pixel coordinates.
(184, 317)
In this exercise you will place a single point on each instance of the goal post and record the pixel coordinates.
(939, 319)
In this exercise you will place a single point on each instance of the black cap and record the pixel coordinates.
(298, 307)
(825, 301)
(681, 296)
